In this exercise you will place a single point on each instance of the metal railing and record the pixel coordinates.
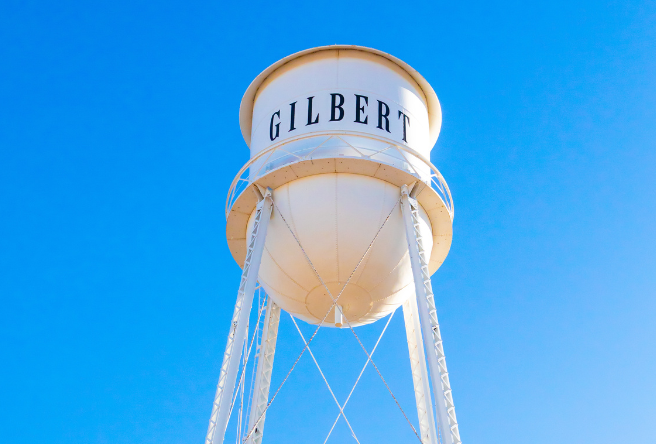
(333, 146)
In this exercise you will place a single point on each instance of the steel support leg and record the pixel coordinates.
(264, 370)
(419, 372)
(446, 414)
(239, 325)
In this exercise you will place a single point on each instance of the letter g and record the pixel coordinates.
(277, 125)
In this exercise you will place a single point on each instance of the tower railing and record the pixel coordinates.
(323, 146)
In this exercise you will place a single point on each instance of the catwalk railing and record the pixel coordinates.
(339, 146)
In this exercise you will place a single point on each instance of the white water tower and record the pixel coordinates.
(340, 217)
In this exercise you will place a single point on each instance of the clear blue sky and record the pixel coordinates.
(119, 138)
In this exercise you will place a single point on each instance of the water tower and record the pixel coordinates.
(340, 218)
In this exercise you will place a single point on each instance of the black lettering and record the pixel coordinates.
(382, 116)
(335, 106)
(310, 122)
(271, 136)
(293, 116)
(405, 118)
(360, 109)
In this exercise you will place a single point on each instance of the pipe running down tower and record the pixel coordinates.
(340, 217)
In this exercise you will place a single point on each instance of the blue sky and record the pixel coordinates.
(119, 138)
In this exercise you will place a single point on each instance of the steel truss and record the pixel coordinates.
(446, 413)
(419, 314)
(264, 370)
(419, 372)
(237, 335)
(307, 343)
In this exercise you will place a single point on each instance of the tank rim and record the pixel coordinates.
(239, 210)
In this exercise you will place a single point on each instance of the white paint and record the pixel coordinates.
(336, 215)
(348, 73)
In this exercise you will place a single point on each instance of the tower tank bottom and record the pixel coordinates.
(335, 217)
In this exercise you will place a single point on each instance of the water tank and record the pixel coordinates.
(335, 132)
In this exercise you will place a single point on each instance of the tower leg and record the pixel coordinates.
(446, 414)
(419, 372)
(264, 370)
(236, 337)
